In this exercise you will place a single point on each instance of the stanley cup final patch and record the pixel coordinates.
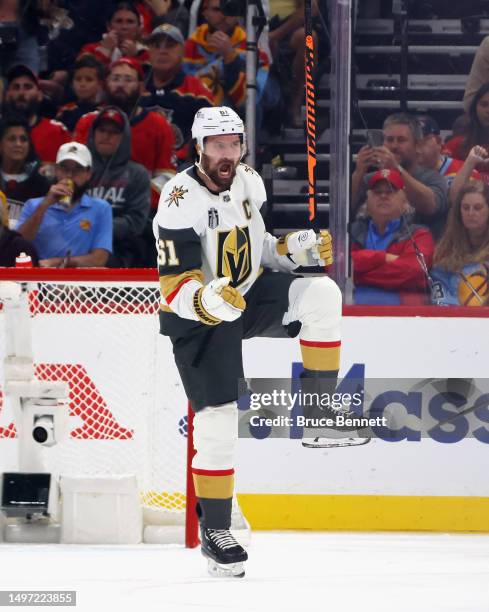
(213, 218)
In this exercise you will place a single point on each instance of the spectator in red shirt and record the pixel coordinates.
(169, 89)
(390, 255)
(476, 131)
(121, 39)
(23, 96)
(87, 84)
(152, 139)
(478, 157)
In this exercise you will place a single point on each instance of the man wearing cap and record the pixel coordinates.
(152, 139)
(215, 52)
(168, 88)
(386, 246)
(430, 152)
(23, 96)
(68, 227)
(123, 183)
(426, 190)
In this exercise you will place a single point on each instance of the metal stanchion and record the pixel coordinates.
(339, 171)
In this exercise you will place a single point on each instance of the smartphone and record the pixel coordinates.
(375, 138)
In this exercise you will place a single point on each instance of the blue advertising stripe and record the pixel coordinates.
(366, 512)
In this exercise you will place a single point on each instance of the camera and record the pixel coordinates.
(43, 430)
(233, 8)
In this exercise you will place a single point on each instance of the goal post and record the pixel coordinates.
(97, 331)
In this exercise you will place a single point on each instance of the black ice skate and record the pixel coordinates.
(225, 557)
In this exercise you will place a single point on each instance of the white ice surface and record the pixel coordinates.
(334, 572)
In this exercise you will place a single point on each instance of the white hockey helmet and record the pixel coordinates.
(216, 120)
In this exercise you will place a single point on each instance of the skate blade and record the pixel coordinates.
(333, 442)
(225, 570)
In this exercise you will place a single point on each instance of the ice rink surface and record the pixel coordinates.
(335, 572)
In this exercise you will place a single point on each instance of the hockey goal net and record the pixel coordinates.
(97, 330)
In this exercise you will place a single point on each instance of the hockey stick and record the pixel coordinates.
(310, 112)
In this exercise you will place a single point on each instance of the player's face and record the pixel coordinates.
(482, 110)
(429, 150)
(86, 84)
(107, 138)
(14, 146)
(23, 95)
(474, 211)
(123, 85)
(385, 201)
(399, 140)
(125, 24)
(165, 54)
(221, 157)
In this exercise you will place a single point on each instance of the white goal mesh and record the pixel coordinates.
(128, 412)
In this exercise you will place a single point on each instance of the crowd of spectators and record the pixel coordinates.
(125, 80)
(420, 207)
(97, 104)
(418, 238)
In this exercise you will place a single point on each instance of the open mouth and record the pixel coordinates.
(225, 169)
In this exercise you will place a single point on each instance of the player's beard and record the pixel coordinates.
(213, 171)
(125, 102)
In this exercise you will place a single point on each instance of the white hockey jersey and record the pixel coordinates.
(203, 235)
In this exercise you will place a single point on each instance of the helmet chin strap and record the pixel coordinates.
(199, 165)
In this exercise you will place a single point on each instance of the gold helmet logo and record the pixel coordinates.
(234, 255)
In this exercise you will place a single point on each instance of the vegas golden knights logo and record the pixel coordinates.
(234, 255)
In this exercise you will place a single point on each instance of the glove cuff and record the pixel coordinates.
(281, 245)
(204, 317)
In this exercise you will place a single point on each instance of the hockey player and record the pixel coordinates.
(215, 260)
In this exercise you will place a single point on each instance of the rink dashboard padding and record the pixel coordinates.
(407, 485)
